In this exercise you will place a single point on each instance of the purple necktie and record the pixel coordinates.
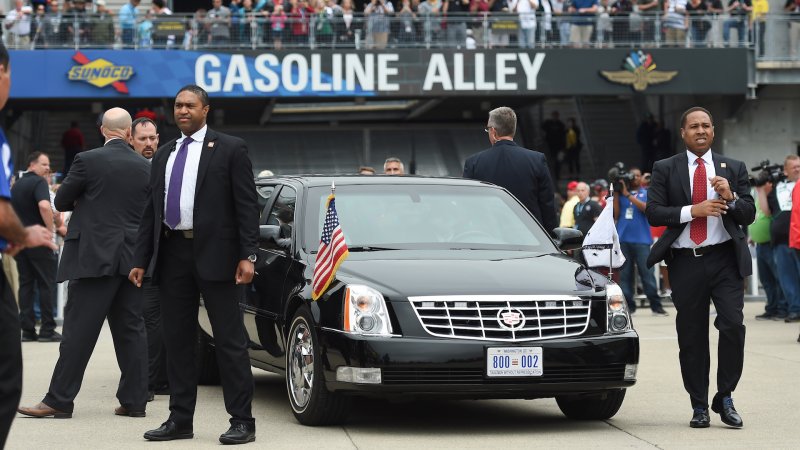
(175, 182)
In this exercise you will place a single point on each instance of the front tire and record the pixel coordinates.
(600, 406)
(312, 404)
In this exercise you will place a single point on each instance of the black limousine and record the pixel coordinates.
(451, 289)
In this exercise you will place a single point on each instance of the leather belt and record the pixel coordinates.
(700, 251)
(186, 234)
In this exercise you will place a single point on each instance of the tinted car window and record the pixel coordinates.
(428, 217)
(264, 194)
(282, 212)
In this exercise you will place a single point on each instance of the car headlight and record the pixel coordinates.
(365, 311)
(619, 321)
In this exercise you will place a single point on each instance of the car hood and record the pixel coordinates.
(398, 278)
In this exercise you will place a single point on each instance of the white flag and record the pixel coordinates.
(601, 244)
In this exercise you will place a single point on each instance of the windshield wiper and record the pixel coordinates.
(369, 248)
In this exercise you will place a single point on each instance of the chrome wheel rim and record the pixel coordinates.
(301, 365)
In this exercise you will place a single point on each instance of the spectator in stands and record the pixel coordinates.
(102, 26)
(323, 25)
(277, 23)
(300, 16)
(406, 31)
(545, 11)
(583, 12)
(620, 14)
(247, 22)
(635, 241)
(345, 25)
(586, 210)
(56, 28)
(739, 10)
(555, 135)
(18, 26)
(758, 24)
(431, 23)
(160, 13)
(604, 27)
(393, 166)
(219, 23)
(526, 33)
(72, 142)
(378, 13)
(793, 8)
(699, 23)
(39, 27)
(366, 170)
(456, 11)
(480, 9)
(768, 274)
(643, 20)
(675, 23)
(567, 218)
(128, 14)
(561, 11)
(79, 24)
(572, 155)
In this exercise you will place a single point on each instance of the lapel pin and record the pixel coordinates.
(723, 165)
(211, 144)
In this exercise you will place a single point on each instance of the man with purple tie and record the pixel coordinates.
(106, 190)
(199, 236)
(704, 200)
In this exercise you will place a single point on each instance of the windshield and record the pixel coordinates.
(435, 217)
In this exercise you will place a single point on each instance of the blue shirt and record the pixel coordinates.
(6, 170)
(632, 225)
(127, 16)
(584, 18)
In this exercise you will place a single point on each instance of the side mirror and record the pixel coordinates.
(568, 238)
(269, 233)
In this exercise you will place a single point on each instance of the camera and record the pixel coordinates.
(618, 175)
(767, 172)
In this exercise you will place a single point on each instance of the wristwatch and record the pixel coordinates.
(252, 258)
(735, 197)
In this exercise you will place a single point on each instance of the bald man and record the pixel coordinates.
(106, 190)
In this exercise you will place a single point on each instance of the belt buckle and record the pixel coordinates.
(694, 252)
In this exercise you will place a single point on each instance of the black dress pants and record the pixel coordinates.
(37, 267)
(156, 353)
(694, 280)
(10, 359)
(180, 288)
(90, 302)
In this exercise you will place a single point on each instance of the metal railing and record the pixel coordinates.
(776, 36)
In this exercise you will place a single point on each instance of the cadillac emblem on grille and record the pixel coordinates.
(511, 318)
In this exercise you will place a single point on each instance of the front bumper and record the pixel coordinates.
(456, 368)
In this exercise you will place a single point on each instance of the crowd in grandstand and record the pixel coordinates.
(399, 23)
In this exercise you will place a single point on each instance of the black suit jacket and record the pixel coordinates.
(523, 172)
(106, 189)
(225, 209)
(670, 191)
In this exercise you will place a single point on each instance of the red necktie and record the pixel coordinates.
(698, 229)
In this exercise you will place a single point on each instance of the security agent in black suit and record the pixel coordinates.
(106, 189)
(523, 172)
(705, 209)
(15, 237)
(208, 247)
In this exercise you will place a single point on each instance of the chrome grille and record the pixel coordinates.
(513, 318)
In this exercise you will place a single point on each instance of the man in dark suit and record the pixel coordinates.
(704, 200)
(523, 172)
(106, 189)
(199, 235)
(13, 238)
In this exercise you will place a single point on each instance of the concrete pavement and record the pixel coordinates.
(655, 413)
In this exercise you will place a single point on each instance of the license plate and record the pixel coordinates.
(514, 362)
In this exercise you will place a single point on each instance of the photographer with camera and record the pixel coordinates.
(759, 232)
(634, 236)
(779, 207)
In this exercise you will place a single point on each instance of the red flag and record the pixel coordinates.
(332, 251)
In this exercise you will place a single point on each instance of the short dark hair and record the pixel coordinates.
(33, 157)
(197, 90)
(159, 3)
(695, 109)
(140, 121)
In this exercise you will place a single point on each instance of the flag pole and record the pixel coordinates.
(611, 251)
(333, 187)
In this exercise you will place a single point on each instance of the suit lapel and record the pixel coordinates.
(205, 156)
(720, 167)
(683, 174)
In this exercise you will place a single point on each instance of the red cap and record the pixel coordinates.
(572, 185)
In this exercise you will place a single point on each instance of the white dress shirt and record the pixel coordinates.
(189, 177)
(716, 232)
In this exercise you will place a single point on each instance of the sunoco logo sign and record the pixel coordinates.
(100, 73)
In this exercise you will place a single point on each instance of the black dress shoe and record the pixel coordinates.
(239, 433)
(700, 418)
(724, 407)
(29, 336)
(151, 395)
(50, 337)
(792, 317)
(168, 431)
(765, 316)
